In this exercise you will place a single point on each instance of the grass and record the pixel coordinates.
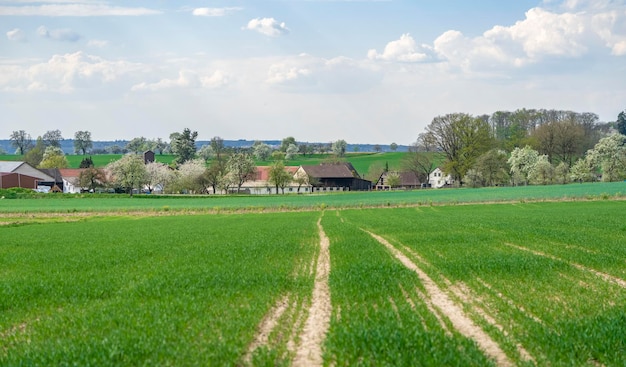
(112, 203)
(360, 161)
(549, 300)
(120, 285)
(146, 291)
(374, 322)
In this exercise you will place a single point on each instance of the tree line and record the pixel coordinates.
(521, 147)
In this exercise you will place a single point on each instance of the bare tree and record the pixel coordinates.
(462, 138)
(421, 157)
(21, 141)
(82, 141)
(53, 138)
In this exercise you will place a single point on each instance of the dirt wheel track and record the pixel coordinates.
(461, 322)
(309, 351)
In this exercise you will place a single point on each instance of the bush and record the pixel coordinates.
(16, 193)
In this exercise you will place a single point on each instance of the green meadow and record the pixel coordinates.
(360, 161)
(538, 271)
(153, 203)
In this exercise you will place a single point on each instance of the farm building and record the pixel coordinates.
(333, 177)
(261, 184)
(22, 174)
(405, 180)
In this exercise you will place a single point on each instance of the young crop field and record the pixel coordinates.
(509, 284)
(74, 203)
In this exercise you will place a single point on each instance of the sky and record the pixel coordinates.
(365, 71)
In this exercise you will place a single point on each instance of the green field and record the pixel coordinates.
(360, 161)
(115, 281)
(99, 160)
(69, 203)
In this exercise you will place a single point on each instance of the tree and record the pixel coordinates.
(377, 148)
(129, 172)
(137, 145)
(53, 157)
(560, 139)
(542, 172)
(286, 142)
(621, 122)
(393, 147)
(610, 156)
(158, 176)
(261, 151)
(35, 154)
(491, 169)
(562, 173)
(21, 141)
(375, 170)
(217, 145)
(339, 148)
(291, 151)
(53, 138)
(206, 152)
(159, 145)
(213, 176)
(190, 176)
(82, 142)
(420, 159)
(86, 163)
(184, 145)
(582, 170)
(92, 178)
(521, 162)
(241, 169)
(462, 138)
(279, 177)
(393, 179)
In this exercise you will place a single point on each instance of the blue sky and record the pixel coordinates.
(318, 70)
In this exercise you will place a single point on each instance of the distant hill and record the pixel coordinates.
(68, 145)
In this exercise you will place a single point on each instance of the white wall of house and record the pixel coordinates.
(438, 179)
(69, 187)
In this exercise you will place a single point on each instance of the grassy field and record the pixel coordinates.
(99, 160)
(115, 281)
(360, 161)
(113, 203)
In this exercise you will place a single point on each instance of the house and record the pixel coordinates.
(438, 179)
(333, 177)
(406, 180)
(21, 174)
(261, 183)
(71, 180)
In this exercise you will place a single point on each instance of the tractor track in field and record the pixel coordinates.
(607, 277)
(461, 322)
(309, 350)
(267, 325)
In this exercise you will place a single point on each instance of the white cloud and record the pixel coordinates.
(186, 79)
(267, 26)
(403, 50)
(65, 73)
(16, 35)
(283, 73)
(74, 9)
(541, 35)
(340, 75)
(97, 43)
(66, 35)
(214, 12)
